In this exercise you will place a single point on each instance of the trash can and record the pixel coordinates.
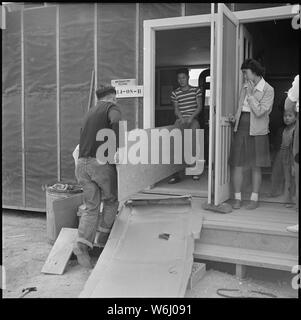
(61, 210)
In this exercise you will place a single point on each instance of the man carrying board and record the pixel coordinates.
(98, 178)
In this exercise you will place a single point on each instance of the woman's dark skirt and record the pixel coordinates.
(246, 150)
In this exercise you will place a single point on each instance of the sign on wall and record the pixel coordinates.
(123, 82)
(129, 91)
(127, 88)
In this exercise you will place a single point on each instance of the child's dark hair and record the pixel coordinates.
(183, 70)
(254, 66)
(104, 90)
(291, 109)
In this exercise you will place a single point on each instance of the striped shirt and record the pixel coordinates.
(186, 100)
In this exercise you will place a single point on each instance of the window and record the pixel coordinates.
(194, 74)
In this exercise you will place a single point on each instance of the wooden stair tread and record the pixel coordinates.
(263, 208)
(259, 258)
(251, 220)
(274, 228)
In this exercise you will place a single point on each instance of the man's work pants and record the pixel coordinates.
(99, 182)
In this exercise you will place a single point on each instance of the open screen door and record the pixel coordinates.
(226, 97)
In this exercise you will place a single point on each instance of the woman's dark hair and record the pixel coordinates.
(183, 70)
(254, 66)
(104, 90)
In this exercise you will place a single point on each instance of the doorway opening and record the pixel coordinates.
(178, 48)
(276, 45)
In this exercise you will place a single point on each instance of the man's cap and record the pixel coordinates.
(105, 90)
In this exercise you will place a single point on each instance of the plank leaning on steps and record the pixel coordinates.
(137, 263)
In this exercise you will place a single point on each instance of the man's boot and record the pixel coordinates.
(81, 252)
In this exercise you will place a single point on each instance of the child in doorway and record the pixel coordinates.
(282, 171)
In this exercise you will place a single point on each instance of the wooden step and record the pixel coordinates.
(247, 257)
(269, 238)
(265, 227)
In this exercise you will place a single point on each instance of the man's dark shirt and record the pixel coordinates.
(104, 115)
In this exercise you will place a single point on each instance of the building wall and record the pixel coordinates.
(40, 102)
(76, 37)
(119, 55)
(11, 112)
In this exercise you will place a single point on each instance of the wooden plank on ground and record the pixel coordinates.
(61, 252)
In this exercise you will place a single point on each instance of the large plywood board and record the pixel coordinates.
(133, 178)
(137, 263)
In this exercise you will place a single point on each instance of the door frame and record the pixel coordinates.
(150, 27)
(149, 48)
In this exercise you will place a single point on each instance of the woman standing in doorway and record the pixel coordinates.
(250, 146)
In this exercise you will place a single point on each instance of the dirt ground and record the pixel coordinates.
(25, 249)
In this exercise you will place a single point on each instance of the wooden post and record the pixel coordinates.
(23, 109)
(91, 90)
(137, 64)
(183, 9)
(58, 94)
(95, 44)
(240, 271)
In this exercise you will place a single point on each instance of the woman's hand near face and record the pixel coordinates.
(250, 88)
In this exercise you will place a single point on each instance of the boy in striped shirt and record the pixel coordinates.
(188, 104)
